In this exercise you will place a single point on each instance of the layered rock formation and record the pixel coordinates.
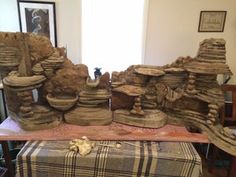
(93, 104)
(184, 92)
(212, 50)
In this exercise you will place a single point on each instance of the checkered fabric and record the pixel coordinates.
(148, 159)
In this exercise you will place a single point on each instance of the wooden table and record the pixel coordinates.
(11, 131)
(3, 99)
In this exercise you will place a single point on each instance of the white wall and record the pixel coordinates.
(69, 27)
(9, 16)
(68, 17)
(172, 30)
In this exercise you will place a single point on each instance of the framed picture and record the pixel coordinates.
(38, 17)
(212, 21)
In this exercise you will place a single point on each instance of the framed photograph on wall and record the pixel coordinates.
(212, 21)
(38, 17)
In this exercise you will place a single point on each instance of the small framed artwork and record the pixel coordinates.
(38, 17)
(212, 21)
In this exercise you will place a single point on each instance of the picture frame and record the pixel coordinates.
(212, 21)
(38, 17)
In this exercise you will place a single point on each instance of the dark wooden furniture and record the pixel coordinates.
(232, 171)
(3, 99)
(227, 118)
(228, 114)
(5, 148)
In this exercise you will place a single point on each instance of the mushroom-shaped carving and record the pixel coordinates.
(148, 71)
(92, 83)
(15, 81)
(130, 90)
(135, 91)
(62, 103)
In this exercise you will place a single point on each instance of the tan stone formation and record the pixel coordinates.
(137, 112)
(40, 48)
(148, 71)
(130, 90)
(131, 77)
(104, 81)
(19, 41)
(121, 101)
(9, 56)
(51, 64)
(92, 83)
(185, 92)
(26, 112)
(151, 119)
(24, 51)
(213, 113)
(207, 67)
(166, 96)
(188, 91)
(94, 97)
(62, 103)
(228, 132)
(212, 50)
(68, 80)
(89, 116)
(93, 103)
(39, 118)
(137, 107)
(191, 84)
(96, 93)
(26, 98)
(14, 80)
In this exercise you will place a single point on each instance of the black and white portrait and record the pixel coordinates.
(38, 17)
(37, 21)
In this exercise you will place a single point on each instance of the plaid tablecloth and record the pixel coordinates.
(151, 159)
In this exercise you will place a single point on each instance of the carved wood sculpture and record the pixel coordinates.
(185, 92)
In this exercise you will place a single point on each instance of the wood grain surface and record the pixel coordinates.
(10, 130)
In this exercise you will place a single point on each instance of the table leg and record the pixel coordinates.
(232, 171)
(7, 157)
(4, 104)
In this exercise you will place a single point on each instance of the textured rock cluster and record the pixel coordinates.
(212, 50)
(43, 88)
